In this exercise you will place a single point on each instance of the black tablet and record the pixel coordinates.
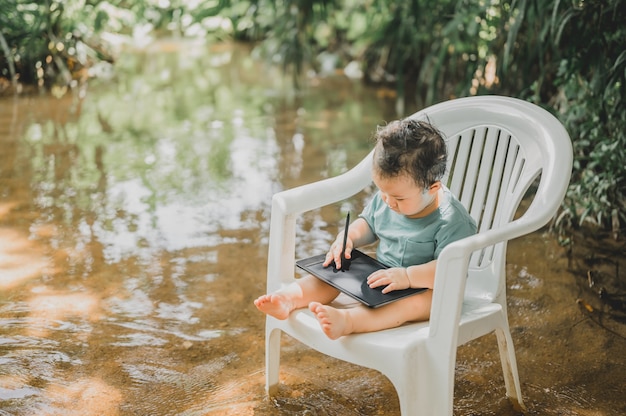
(353, 281)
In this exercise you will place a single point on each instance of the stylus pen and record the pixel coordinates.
(344, 263)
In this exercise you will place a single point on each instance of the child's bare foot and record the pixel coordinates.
(334, 322)
(274, 304)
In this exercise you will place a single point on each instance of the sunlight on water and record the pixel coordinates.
(79, 396)
(18, 261)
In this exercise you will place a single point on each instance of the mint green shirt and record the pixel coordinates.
(405, 242)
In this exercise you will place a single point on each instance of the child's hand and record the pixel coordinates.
(334, 254)
(395, 278)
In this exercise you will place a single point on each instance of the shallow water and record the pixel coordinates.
(133, 234)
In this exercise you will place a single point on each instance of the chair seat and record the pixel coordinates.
(479, 317)
(368, 350)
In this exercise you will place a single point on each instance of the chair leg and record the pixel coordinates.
(425, 387)
(509, 367)
(272, 359)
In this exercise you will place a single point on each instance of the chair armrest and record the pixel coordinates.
(287, 205)
(324, 192)
(509, 231)
(451, 273)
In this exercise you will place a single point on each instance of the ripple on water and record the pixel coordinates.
(20, 393)
(148, 329)
(225, 392)
(138, 339)
(151, 373)
(165, 382)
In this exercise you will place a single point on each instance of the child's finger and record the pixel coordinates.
(330, 258)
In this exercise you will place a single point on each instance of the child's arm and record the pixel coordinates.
(396, 278)
(422, 275)
(359, 234)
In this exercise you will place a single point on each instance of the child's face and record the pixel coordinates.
(403, 196)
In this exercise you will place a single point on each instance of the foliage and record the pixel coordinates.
(47, 42)
(568, 56)
(591, 101)
(53, 42)
(289, 29)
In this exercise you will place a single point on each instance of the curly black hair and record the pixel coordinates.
(412, 147)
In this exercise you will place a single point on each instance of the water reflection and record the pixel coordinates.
(167, 194)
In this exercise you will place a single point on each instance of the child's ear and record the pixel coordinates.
(435, 187)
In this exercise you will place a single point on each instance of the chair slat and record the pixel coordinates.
(505, 200)
(495, 181)
(480, 210)
(473, 164)
(453, 145)
(459, 163)
(484, 173)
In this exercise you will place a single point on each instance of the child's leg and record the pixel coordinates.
(338, 322)
(297, 295)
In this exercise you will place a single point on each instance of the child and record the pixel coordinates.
(413, 216)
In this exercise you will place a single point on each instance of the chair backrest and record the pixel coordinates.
(498, 148)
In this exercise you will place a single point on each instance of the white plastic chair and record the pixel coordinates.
(498, 147)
